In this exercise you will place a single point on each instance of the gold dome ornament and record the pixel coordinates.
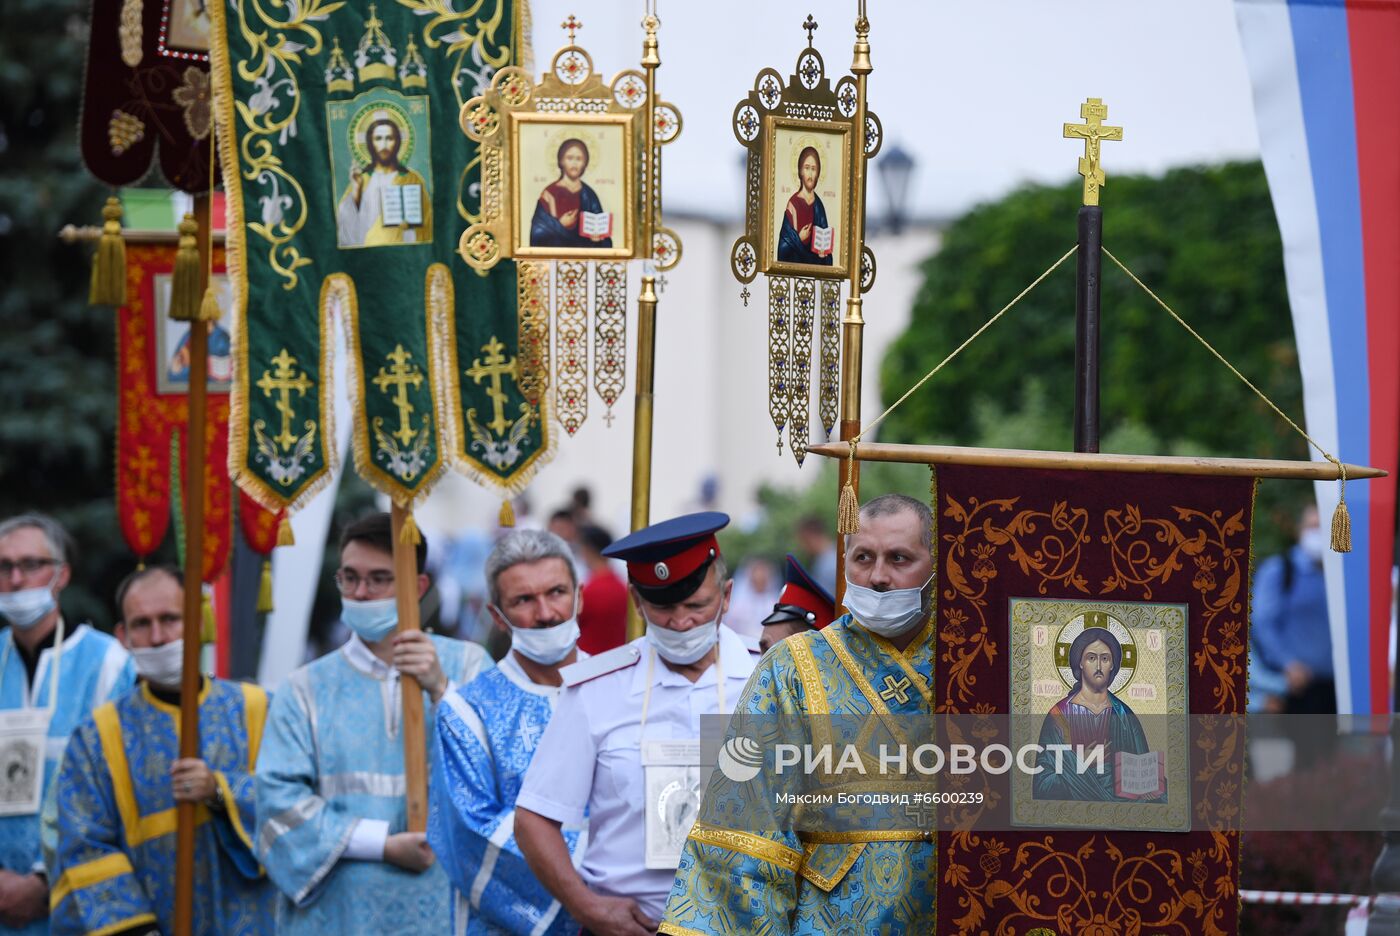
(413, 73)
(375, 58)
(339, 76)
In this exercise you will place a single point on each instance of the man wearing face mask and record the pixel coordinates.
(875, 660)
(487, 732)
(330, 778)
(1291, 633)
(116, 865)
(51, 677)
(622, 750)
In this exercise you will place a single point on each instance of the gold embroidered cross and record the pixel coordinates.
(495, 367)
(143, 464)
(283, 379)
(571, 24)
(398, 379)
(1093, 110)
(896, 689)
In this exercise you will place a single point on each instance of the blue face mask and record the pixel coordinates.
(371, 620)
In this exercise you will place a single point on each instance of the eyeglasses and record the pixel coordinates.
(27, 566)
(376, 583)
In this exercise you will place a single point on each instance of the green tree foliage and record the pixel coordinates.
(56, 360)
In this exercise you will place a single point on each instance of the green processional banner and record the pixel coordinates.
(349, 183)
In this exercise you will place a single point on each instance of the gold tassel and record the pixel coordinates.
(108, 285)
(185, 298)
(209, 633)
(265, 588)
(1341, 517)
(507, 518)
(409, 534)
(848, 509)
(284, 533)
(209, 305)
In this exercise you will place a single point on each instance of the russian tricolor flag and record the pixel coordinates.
(1326, 76)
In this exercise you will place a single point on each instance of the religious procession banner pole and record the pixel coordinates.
(646, 325)
(415, 766)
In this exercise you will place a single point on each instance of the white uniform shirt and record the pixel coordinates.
(598, 723)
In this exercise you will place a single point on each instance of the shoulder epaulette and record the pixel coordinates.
(600, 665)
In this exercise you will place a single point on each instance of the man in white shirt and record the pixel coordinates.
(628, 725)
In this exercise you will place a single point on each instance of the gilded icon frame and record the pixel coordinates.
(774, 185)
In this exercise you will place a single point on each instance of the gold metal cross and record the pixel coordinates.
(283, 379)
(398, 379)
(896, 689)
(809, 25)
(571, 24)
(1093, 110)
(495, 367)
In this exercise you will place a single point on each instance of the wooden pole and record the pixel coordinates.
(1086, 330)
(194, 572)
(646, 318)
(853, 323)
(415, 743)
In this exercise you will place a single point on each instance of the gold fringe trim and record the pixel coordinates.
(209, 633)
(108, 285)
(265, 588)
(507, 517)
(185, 297)
(848, 508)
(284, 532)
(408, 534)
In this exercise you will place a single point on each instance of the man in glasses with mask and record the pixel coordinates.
(116, 865)
(622, 751)
(51, 677)
(875, 660)
(487, 732)
(330, 778)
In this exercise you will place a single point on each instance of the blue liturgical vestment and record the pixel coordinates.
(93, 668)
(487, 733)
(775, 882)
(117, 817)
(332, 758)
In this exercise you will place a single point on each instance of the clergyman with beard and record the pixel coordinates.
(385, 183)
(1088, 717)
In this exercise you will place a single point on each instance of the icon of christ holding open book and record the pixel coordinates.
(568, 213)
(386, 202)
(1091, 716)
(806, 236)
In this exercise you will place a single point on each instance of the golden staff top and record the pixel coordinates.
(1092, 131)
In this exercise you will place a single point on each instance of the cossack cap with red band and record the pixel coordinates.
(667, 561)
(802, 600)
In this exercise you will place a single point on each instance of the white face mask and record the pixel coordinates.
(25, 608)
(372, 620)
(683, 647)
(1312, 543)
(161, 666)
(544, 645)
(889, 613)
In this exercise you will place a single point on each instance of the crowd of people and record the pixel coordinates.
(542, 764)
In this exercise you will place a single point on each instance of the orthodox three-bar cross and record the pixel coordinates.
(495, 367)
(1092, 131)
(283, 379)
(398, 379)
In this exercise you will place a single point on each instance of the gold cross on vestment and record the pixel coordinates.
(495, 367)
(283, 379)
(571, 24)
(896, 689)
(1093, 110)
(398, 379)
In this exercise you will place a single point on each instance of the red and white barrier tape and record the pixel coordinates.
(1296, 899)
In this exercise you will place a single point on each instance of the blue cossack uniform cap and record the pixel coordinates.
(667, 561)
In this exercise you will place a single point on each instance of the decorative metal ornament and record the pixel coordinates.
(570, 173)
(801, 202)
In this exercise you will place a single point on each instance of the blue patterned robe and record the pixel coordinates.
(116, 817)
(94, 670)
(487, 733)
(333, 755)
(774, 882)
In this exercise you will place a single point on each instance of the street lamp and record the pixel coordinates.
(896, 170)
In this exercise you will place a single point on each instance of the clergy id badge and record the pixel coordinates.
(23, 739)
(672, 770)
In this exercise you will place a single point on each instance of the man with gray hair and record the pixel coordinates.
(487, 732)
(51, 678)
(875, 660)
